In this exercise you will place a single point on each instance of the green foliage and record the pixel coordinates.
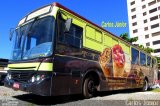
(131, 40)
(141, 47)
(146, 49)
(158, 59)
(156, 90)
(126, 38)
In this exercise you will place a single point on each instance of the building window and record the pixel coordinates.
(146, 28)
(132, 3)
(156, 42)
(152, 3)
(145, 21)
(143, 0)
(154, 18)
(158, 0)
(156, 34)
(159, 8)
(135, 31)
(154, 26)
(152, 10)
(145, 13)
(148, 44)
(156, 50)
(134, 9)
(134, 16)
(147, 36)
(144, 6)
(134, 24)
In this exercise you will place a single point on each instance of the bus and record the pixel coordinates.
(58, 52)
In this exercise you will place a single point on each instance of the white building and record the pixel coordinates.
(144, 22)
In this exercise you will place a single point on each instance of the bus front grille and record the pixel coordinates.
(21, 76)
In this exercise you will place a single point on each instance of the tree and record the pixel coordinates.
(158, 59)
(148, 50)
(141, 47)
(126, 38)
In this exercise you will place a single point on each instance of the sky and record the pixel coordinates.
(97, 11)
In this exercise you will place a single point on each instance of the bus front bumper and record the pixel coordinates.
(39, 88)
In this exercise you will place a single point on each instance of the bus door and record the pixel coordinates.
(66, 61)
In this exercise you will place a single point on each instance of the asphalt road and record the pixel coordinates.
(9, 97)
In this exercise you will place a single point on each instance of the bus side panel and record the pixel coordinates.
(70, 72)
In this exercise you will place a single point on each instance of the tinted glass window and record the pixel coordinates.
(73, 37)
(142, 59)
(135, 56)
(148, 60)
(153, 62)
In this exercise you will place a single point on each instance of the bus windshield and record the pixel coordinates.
(34, 39)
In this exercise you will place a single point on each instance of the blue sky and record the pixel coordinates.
(11, 11)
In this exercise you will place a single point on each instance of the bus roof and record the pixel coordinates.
(61, 6)
(79, 16)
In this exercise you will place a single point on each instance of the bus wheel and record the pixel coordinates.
(89, 87)
(145, 85)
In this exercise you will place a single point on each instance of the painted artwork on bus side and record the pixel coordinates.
(115, 63)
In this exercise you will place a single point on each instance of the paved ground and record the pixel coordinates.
(9, 97)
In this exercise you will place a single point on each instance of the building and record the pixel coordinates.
(144, 23)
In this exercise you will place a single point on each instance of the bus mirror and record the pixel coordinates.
(11, 33)
(68, 25)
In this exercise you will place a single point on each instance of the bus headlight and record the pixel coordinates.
(36, 78)
(9, 76)
(33, 79)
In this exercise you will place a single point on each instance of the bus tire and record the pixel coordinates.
(89, 87)
(145, 85)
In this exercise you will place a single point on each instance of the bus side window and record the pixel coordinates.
(148, 61)
(73, 37)
(142, 59)
(135, 56)
(153, 62)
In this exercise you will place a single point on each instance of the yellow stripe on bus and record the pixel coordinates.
(31, 66)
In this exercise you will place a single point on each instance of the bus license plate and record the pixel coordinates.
(16, 85)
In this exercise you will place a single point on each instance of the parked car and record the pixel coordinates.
(155, 86)
(3, 72)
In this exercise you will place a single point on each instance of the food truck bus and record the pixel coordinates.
(58, 52)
